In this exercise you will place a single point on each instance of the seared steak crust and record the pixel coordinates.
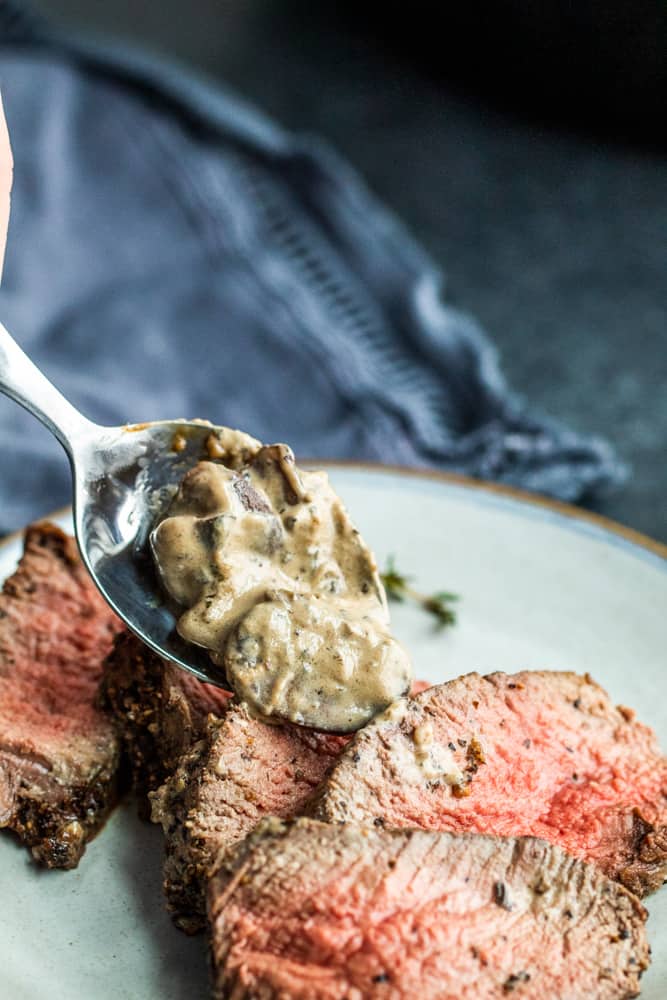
(242, 770)
(159, 709)
(59, 754)
(536, 753)
(308, 911)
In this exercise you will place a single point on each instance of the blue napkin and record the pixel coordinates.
(174, 253)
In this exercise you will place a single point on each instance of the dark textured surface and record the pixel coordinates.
(557, 244)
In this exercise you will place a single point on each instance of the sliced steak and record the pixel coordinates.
(308, 911)
(159, 709)
(242, 770)
(59, 753)
(419, 686)
(544, 754)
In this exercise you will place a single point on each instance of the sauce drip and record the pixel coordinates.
(280, 587)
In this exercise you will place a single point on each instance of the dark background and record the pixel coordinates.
(524, 145)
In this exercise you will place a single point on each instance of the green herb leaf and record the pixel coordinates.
(394, 582)
(443, 614)
(398, 588)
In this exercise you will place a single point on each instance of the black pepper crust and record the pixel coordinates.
(57, 830)
(57, 794)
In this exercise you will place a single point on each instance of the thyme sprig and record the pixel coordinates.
(399, 588)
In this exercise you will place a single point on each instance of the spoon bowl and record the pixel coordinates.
(124, 479)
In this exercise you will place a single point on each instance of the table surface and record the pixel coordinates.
(556, 242)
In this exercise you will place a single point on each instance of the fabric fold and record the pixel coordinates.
(172, 252)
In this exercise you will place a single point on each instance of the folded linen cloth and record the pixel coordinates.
(174, 253)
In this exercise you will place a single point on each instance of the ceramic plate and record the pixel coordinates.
(541, 587)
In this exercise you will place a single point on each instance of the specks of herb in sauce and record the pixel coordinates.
(243, 568)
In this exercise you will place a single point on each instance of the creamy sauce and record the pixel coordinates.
(280, 587)
(434, 761)
(414, 753)
(416, 756)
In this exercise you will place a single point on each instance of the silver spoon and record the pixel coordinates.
(123, 479)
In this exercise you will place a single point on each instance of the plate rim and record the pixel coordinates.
(540, 507)
(537, 501)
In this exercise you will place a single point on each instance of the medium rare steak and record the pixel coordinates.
(241, 771)
(308, 911)
(544, 754)
(159, 709)
(59, 753)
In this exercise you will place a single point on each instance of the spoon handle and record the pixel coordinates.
(6, 168)
(22, 381)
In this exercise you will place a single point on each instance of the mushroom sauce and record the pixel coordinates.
(280, 587)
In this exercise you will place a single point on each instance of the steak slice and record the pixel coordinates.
(159, 710)
(316, 912)
(543, 754)
(241, 771)
(59, 753)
